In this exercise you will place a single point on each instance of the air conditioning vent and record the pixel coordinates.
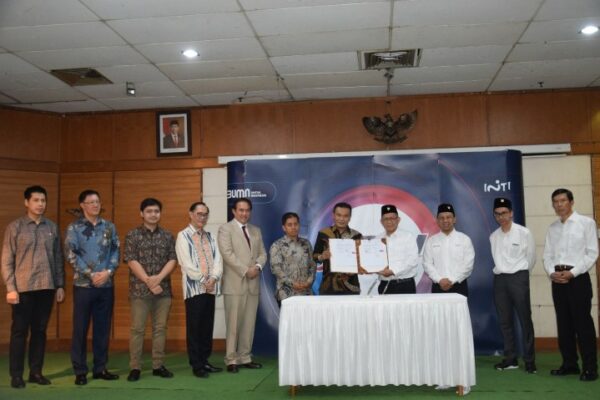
(80, 76)
(391, 59)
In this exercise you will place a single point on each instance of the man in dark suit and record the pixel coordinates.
(174, 139)
(244, 256)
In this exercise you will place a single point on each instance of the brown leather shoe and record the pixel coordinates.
(233, 368)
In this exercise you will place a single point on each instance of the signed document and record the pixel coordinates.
(343, 256)
(373, 255)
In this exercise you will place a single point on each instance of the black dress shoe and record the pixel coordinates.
(134, 375)
(562, 371)
(39, 379)
(200, 373)
(81, 379)
(162, 372)
(588, 376)
(211, 368)
(252, 365)
(17, 382)
(233, 368)
(107, 376)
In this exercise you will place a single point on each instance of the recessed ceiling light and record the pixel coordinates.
(589, 30)
(190, 53)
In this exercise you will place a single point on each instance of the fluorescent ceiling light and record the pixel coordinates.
(589, 30)
(190, 53)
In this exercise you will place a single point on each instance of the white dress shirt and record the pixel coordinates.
(403, 254)
(513, 251)
(449, 256)
(573, 242)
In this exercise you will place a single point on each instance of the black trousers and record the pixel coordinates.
(511, 294)
(199, 323)
(398, 286)
(573, 306)
(31, 317)
(460, 288)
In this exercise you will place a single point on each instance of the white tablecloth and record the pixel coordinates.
(418, 339)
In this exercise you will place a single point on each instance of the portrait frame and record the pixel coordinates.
(173, 133)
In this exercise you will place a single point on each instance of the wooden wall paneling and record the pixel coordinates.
(176, 189)
(536, 118)
(87, 138)
(594, 114)
(30, 135)
(134, 135)
(249, 129)
(71, 184)
(12, 185)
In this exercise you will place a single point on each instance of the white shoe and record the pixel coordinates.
(466, 390)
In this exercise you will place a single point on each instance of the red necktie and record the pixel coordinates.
(246, 235)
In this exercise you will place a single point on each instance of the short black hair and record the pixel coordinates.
(287, 216)
(34, 189)
(562, 191)
(150, 201)
(88, 192)
(342, 204)
(174, 122)
(198, 203)
(240, 200)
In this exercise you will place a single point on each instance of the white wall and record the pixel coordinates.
(541, 175)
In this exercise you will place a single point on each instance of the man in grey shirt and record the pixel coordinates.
(33, 272)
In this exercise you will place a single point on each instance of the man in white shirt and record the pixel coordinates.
(513, 250)
(449, 255)
(403, 255)
(570, 251)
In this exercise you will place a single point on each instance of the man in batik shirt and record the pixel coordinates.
(92, 248)
(291, 260)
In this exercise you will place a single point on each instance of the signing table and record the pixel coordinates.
(416, 339)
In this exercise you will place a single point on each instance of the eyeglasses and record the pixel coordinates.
(202, 215)
(501, 214)
(92, 202)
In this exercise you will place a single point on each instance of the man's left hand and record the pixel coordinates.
(60, 295)
(100, 278)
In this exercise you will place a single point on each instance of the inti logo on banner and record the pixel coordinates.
(498, 187)
(259, 192)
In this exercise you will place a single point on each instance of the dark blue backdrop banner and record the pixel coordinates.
(416, 184)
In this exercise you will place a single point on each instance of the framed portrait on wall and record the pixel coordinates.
(173, 133)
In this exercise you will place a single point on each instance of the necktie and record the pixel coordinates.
(175, 140)
(246, 235)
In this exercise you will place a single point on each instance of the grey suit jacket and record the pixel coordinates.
(237, 257)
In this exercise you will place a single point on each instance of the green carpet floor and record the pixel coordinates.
(263, 384)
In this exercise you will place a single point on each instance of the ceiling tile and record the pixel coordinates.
(87, 57)
(143, 89)
(315, 63)
(183, 29)
(131, 103)
(561, 9)
(45, 95)
(457, 73)
(320, 19)
(250, 97)
(584, 67)
(11, 64)
(31, 80)
(556, 50)
(5, 99)
(555, 31)
(440, 87)
(464, 55)
(340, 79)
(43, 12)
(209, 50)
(132, 73)
(441, 12)
(54, 37)
(68, 106)
(119, 9)
(549, 82)
(426, 37)
(227, 85)
(214, 99)
(339, 92)
(217, 69)
(250, 5)
(326, 42)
